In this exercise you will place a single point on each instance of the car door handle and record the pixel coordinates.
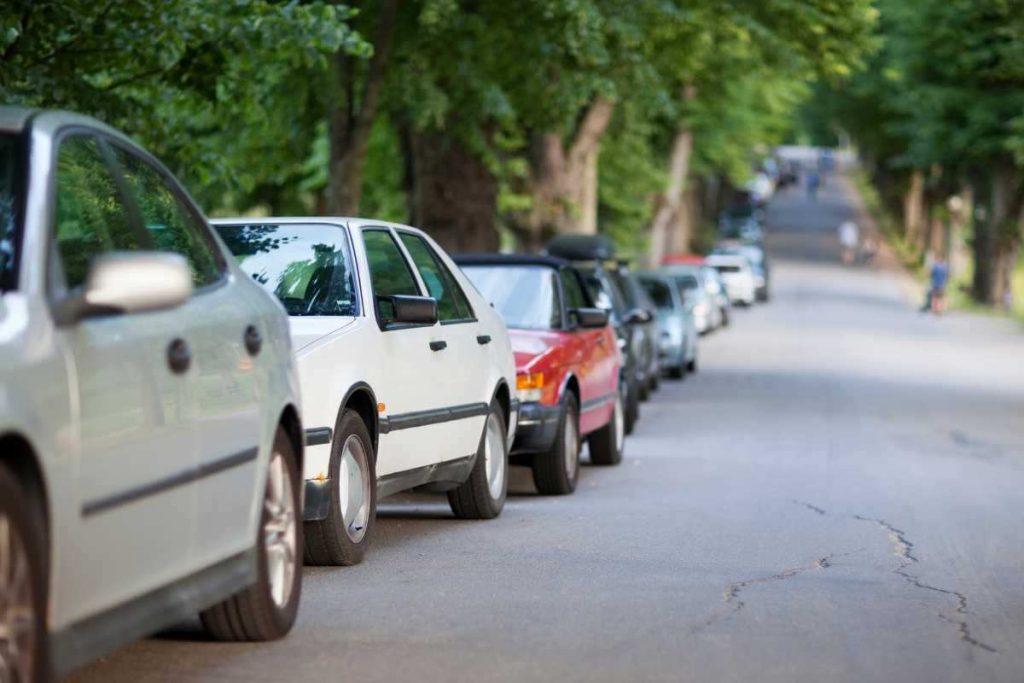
(253, 340)
(483, 339)
(438, 345)
(179, 356)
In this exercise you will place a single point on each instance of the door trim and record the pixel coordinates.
(449, 472)
(158, 486)
(422, 418)
(592, 403)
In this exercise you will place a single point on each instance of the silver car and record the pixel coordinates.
(677, 329)
(694, 282)
(150, 442)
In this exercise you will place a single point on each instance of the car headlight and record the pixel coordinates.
(530, 387)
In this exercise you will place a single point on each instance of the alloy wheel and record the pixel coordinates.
(17, 611)
(354, 488)
(494, 454)
(280, 530)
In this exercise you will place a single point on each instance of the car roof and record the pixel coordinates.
(342, 221)
(727, 259)
(509, 260)
(14, 119)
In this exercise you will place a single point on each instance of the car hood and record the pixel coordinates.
(532, 347)
(307, 330)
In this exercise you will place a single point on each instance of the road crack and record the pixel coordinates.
(903, 548)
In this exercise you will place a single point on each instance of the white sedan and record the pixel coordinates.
(150, 440)
(407, 374)
(737, 275)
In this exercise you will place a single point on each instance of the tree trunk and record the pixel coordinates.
(454, 196)
(349, 122)
(913, 207)
(563, 201)
(671, 202)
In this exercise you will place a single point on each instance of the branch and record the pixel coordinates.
(595, 123)
(375, 75)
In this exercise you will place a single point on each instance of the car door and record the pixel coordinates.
(412, 377)
(466, 355)
(224, 337)
(134, 407)
(596, 359)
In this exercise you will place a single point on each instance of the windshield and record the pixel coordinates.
(603, 292)
(659, 293)
(307, 267)
(10, 200)
(525, 296)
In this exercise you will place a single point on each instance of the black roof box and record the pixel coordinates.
(582, 247)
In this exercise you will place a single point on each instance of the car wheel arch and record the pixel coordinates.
(570, 383)
(20, 459)
(504, 398)
(292, 425)
(361, 398)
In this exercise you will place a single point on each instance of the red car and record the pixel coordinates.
(568, 365)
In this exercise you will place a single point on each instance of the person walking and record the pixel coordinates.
(939, 277)
(813, 180)
(849, 239)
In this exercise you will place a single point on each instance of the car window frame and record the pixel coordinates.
(23, 143)
(179, 193)
(440, 262)
(381, 323)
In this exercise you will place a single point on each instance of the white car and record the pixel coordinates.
(407, 373)
(150, 440)
(737, 275)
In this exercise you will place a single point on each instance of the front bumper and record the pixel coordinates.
(538, 426)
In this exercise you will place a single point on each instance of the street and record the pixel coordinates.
(836, 496)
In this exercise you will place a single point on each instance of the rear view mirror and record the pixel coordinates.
(128, 282)
(402, 309)
(637, 316)
(589, 317)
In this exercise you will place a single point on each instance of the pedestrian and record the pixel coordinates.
(939, 279)
(849, 238)
(813, 180)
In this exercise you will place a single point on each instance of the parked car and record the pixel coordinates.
(568, 365)
(591, 255)
(755, 254)
(715, 288)
(150, 440)
(677, 341)
(407, 373)
(637, 299)
(737, 275)
(693, 283)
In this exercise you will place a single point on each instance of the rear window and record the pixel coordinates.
(659, 292)
(10, 207)
(525, 296)
(727, 269)
(307, 266)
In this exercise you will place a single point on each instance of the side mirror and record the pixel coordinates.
(589, 317)
(128, 282)
(637, 316)
(402, 309)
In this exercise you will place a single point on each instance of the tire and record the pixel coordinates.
(482, 496)
(606, 444)
(341, 539)
(556, 472)
(655, 381)
(677, 371)
(266, 610)
(632, 407)
(692, 365)
(725, 318)
(25, 656)
(643, 390)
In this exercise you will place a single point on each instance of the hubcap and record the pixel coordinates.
(354, 488)
(572, 447)
(17, 615)
(495, 460)
(620, 426)
(280, 530)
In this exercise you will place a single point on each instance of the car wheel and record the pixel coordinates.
(632, 407)
(556, 472)
(342, 537)
(725, 318)
(643, 390)
(23, 637)
(677, 371)
(483, 495)
(607, 443)
(655, 381)
(266, 610)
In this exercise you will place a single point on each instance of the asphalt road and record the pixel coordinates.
(836, 496)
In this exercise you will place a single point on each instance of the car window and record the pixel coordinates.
(525, 296)
(603, 293)
(659, 292)
(10, 199)
(171, 225)
(727, 269)
(452, 304)
(307, 266)
(91, 217)
(390, 274)
(574, 296)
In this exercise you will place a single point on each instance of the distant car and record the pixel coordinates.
(568, 365)
(150, 440)
(677, 341)
(407, 373)
(594, 258)
(737, 275)
(755, 254)
(693, 283)
(637, 299)
(715, 288)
